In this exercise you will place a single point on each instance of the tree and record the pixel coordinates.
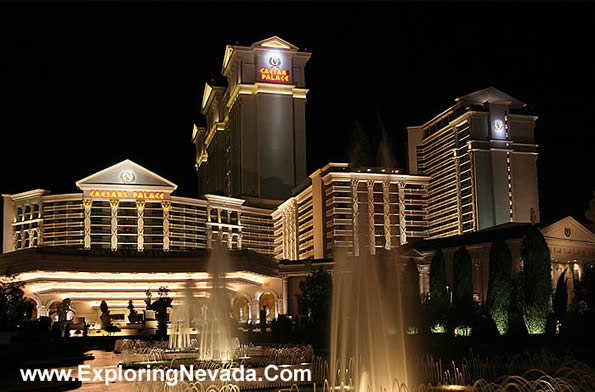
(537, 280)
(438, 300)
(462, 280)
(411, 297)
(160, 307)
(315, 299)
(14, 306)
(500, 285)
(561, 297)
(584, 292)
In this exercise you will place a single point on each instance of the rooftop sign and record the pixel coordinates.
(274, 67)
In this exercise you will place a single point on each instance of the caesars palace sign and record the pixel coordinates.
(274, 72)
(137, 195)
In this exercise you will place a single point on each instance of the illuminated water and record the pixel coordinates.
(367, 347)
(206, 327)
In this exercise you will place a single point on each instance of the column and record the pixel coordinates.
(458, 182)
(254, 311)
(421, 270)
(239, 237)
(472, 178)
(209, 236)
(285, 294)
(371, 231)
(278, 308)
(402, 223)
(40, 233)
(114, 227)
(140, 224)
(229, 237)
(87, 204)
(386, 202)
(42, 311)
(166, 206)
(285, 230)
(293, 232)
(355, 211)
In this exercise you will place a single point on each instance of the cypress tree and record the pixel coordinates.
(411, 297)
(462, 280)
(537, 280)
(500, 285)
(438, 302)
(561, 297)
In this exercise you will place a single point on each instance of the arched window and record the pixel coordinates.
(267, 302)
(20, 216)
(35, 238)
(28, 213)
(26, 241)
(241, 309)
(18, 243)
(35, 211)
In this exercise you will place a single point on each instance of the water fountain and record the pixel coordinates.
(206, 328)
(367, 347)
(185, 318)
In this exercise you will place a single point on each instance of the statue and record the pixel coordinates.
(132, 315)
(105, 317)
(63, 309)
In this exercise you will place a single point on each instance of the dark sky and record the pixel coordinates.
(84, 86)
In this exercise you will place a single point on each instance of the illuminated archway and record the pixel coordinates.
(267, 299)
(241, 309)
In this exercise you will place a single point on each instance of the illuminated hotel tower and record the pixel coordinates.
(481, 156)
(254, 143)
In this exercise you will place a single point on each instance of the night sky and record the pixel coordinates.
(84, 86)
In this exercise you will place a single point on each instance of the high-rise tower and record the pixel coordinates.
(481, 155)
(254, 143)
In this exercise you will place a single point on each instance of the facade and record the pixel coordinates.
(359, 210)
(125, 233)
(481, 155)
(572, 248)
(472, 179)
(129, 207)
(254, 143)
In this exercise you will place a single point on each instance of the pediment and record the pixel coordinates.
(568, 229)
(488, 95)
(126, 173)
(275, 42)
(412, 253)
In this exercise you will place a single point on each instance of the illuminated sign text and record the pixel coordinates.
(274, 75)
(128, 195)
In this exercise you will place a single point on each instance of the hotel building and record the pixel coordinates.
(125, 231)
(481, 156)
(254, 143)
